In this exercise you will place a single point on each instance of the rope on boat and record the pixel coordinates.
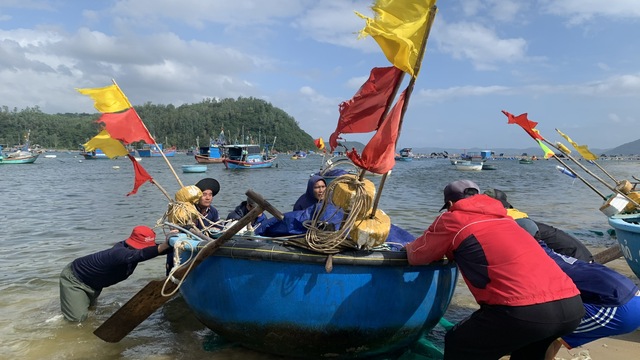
(331, 242)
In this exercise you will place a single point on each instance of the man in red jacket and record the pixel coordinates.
(526, 301)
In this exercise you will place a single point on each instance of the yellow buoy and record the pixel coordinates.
(346, 194)
(369, 232)
(190, 194)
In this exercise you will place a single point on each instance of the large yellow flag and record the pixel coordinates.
(399, 28)
(107, 99)
(109, 146)
(581, 149)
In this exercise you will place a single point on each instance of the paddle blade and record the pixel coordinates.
(135, 311)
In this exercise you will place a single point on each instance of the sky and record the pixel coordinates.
(573, 65)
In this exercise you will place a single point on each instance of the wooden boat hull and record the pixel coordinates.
(281, 300)
(202, 159)
(194, 168)
(21, 160)
(243, 165)
(627, 229)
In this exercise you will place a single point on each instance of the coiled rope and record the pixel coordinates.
(331, 242)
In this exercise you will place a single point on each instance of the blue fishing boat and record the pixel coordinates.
(156, 151)
(280, 299)
(627, 227)
(405, 155)
(242, 157)
(94, 155)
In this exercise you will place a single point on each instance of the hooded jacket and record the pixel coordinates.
(307, 199)
(500, 262)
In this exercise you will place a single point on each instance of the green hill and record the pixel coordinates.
(243, 120)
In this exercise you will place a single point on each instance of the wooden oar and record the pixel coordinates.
(149, 299)
(607, 255)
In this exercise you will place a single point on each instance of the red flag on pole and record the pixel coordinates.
(141, 175)
(378, 156)
(126, 127)
(363, 112)
(526, 124)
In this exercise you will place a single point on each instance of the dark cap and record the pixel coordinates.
(457, 190)
(500, 196)
(209, 184)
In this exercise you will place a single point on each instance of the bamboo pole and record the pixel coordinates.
(409, 90)
(563, 149)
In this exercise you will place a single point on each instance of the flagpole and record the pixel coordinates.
(590, 153)
(416, 71)
(154, 139)
(560, 147)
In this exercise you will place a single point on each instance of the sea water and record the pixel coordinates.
(61, 208)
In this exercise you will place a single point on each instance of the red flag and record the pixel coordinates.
(526, 124)
(364, 111)
(141, 174)
(126, 127)
(319, 143)
(378, 156)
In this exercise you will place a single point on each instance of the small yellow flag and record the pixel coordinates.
(108, 99)
(581, 149)
(110, 146)
(399, 28)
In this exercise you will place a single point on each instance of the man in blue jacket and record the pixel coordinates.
(611, 300)
(82, 280)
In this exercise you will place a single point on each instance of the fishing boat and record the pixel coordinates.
(194, 168)
(469, 167)
(214, 153)
(525, 161)
(23, 155)
(94, 155)
(486, 166)
(299, 155)
(156, 150)
(281, 299)
(405, 155)
(247, 157)
(29, 158)
(459, 161)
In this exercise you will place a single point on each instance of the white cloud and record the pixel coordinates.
(479, 44)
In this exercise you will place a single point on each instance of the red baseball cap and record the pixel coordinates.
(141, 237)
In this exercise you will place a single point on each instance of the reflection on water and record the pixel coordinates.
(58, 209)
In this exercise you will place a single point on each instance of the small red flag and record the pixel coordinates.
(526, 124)
(378, 156)
(126, 127)
(363, 113)
(141, 175)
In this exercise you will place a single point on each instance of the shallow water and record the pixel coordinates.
(58, 209)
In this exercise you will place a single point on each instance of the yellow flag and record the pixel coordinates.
(547, 152)
(399, 28)
(107, 99)
(581, 149)
(109, 146)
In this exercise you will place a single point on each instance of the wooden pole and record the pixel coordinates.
(409, 90)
